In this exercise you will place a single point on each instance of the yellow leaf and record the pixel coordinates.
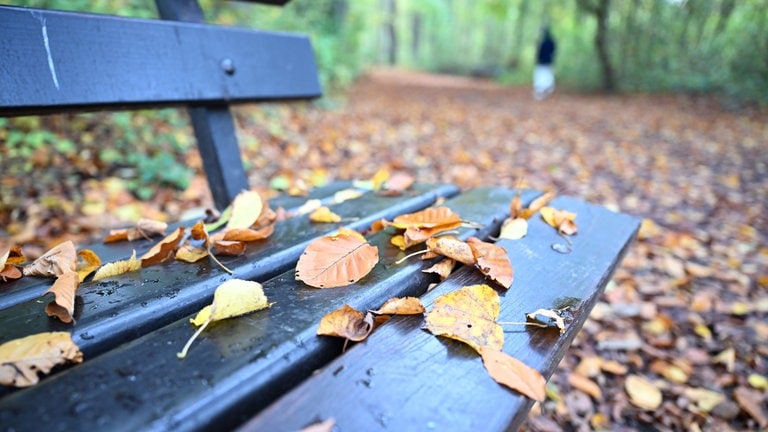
(22, 359)
(57, 261)
(246, 209)
(758, 381)
(401, 306)
(64, 288)
(233, 298)
(380, 178)
(513, 373)
(324, 215)
(399, 241)
(346, 195)
(190, 254)
(336, 260)
(90, 263)
(468, 315)
(118, 267)
(514, 229)
(642, 393)
(564, 221)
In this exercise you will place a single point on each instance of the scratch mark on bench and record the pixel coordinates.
(51, 66)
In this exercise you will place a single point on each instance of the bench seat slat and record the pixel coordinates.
(404, 378)
(237, 366)
(55, 61)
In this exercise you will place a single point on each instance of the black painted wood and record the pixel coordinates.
(404, 378)
(239, 365)
(116, 310)
(52, 61)
(30, 288)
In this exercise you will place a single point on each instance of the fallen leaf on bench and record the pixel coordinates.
(452, 247)
(468, 315)
(514, 229)
(397, 184)
(163, 250)
(428, 218)
(348, 323)
(22, 359)
(145, 228)
(324, 215)
(90, 262)
(443, 268)
(492, 261)
(246, 210)
(548, 313)
(537, 204)
(57, 261)
(563, 220)
(346, 195)
(7, 269)
(401, 306)
(336, 260)
(513, 373)
(63, 306)
(233, 298)
(226, 247)
(197, 247)
(117, 268)
(9, 272)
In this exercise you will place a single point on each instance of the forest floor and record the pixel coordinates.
(685, 321)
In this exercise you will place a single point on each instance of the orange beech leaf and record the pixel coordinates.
(9, 272)
(90, 262)
(492, 261)
(401, 306)
(346, 322)
(443, 268)
(416, 235)
(378, 225)
(398, 183)
(324, 215)
(163, 250)
(118, 268)
(22, 359)
(336, 260)
(428, 218)
(513, 373)
(452, 247)
(145, 228)
(537, 204)
(57, 261)
(227, 247)
(246, 210)
(63, 305)
(199, 232)
(563, 220)
(247, 234)
(468, 315)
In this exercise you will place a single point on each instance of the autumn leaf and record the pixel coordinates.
(563, 220)
(643, 393)
(452, 247)
(513, 373)
(443, 268)
(548, 313)
(492, 261)
(397, 184)
(163, 250)
(63, 306)
(118, 268)
(10, 272)
(324, 215)
(514, 229)
(227, 247)
(145, 228)
(347, 195)
(246, 209)
(233, 298)
(537, 204)
(401, 306)
(57, 261)
(90, 262)
(428, 218)
(336, 260)
(346, 322)
(247, 234)
(468, 315)
(192, 252)
(22, 359)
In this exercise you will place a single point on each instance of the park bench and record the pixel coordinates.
(267, 370)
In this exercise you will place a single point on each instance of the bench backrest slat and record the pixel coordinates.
(51, 61)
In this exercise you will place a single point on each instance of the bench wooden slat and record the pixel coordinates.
(55, 61)
(29, 288)
(239, 365)
(119, 309)
(404, 378)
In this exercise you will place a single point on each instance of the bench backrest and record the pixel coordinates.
(54, 61)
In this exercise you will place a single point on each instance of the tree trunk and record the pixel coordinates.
(390, 30)
(600, 11)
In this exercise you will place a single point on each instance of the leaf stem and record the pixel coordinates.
(210, 254)
(184, 350)
(400, 261)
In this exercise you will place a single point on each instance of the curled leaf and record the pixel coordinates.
(492, 261)
(401, 306)
(64, 288)
(336, 260)
(118, 267)
(57, 261)
(163, 250)
(90, 262)
(22, 359)
(346, 322)
(443, 268)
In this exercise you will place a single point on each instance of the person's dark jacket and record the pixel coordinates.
(546, 52)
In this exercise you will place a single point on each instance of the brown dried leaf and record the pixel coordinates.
(227, 247)
(248, 234)
(63, 305)
(118, 268)
(427, 218)
(468, 315)
(492, 261)
(336, 260)
(57, 261)
(401, 306)
(347, 323)
(513, 373)
(452, 247)
(90, 262)
(22, 359)
(751, 401)
(586, 385)
(163, 250)
(10, 272)
(443, 268)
